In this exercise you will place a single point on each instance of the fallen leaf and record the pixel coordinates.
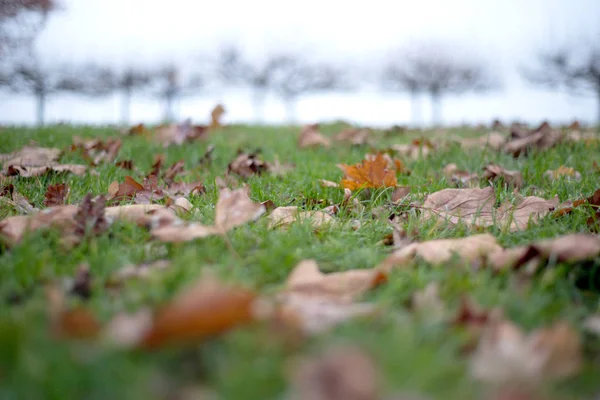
(567, 207)
(9, 195)
(368, 174)
(329, 184)
(460, 177)
(125, 164)
(511, 178)
(205, 309)
(141, 271)
(474, 207)
(90, 218)
(29, 172)
(138, 130)
(342, 372)
(353, 136)
(524, 140)
(82, 282)
(234, 208)
(284, 216)
(69, 323)
(311, 137)
(179, 133)
(56, 194)
(215, 116)
(416, 149)
(563, 172)
(316, 302)
(207, 158)
(427, 303)
(306, 279)
(392, 163)
(175, 169)
(493, 140)
(568, 249)
(468, 249)
(400, 193)
(97, 151)
(185, 189)
(31, 156)
(247, 165)
(507, 356)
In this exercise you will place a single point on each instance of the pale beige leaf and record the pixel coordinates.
(184, 233)
(528, 209)
(329, 184)
(471, 206)
(311, 137)
(342, 372)
(511, 178)
(440, 251)
(29, 172)
(284, 216)
(353, 136)
(31, 156)
(505, 355)
(235, 208)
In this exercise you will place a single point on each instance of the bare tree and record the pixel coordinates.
(437, 71)
(43, 82)
(396, 78)
(293, 77)
(128, 82)
(172, 86)
(286, 75)
(20, 20)
(575, 69)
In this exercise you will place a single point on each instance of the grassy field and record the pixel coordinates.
(414, 355)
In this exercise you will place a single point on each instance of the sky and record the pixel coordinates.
(507, 33)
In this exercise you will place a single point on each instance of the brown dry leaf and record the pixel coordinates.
(567, 207)
(185, 189)
(460, 177)
(247, 165)
(493, 140)
(416, 149)
(311, 137)
(368, 174)
(353, 136)
(469, 249)
(125, 164)
(90, 218)
(74, 323)
(12, 229)
(400, 193)
(180, 133)
(568, 249)
(56, 194)
(342, 372)
(178, 167)
(8, 195)
(563, 172)
(329, 184)
(141, 271)
(284, 216)
(97, 151)
(524, 140)
(507, 356)
(138, 130)
(428, 303)
(474, 207)
(511, 178)
(234, 208)
(215, 116)
(124, 191)
(316, 302)
(29, 172)
(31, 156)
(205, 309)
(306, 279)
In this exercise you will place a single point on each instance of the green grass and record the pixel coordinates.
(251, 363)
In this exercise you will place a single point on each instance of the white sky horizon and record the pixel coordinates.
(506, 33)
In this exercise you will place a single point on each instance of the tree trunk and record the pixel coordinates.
(598, 105)
(126, 106)
(258, 103)
(290, 109)
(415, 108)
(170, 99)
(41, 108)
(436, 107)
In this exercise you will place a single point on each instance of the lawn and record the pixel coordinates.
(414, 354)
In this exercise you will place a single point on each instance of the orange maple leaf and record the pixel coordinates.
(372, 173)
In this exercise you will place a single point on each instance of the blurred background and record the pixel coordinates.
(378, 63)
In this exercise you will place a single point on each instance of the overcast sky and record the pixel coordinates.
(505, 32)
